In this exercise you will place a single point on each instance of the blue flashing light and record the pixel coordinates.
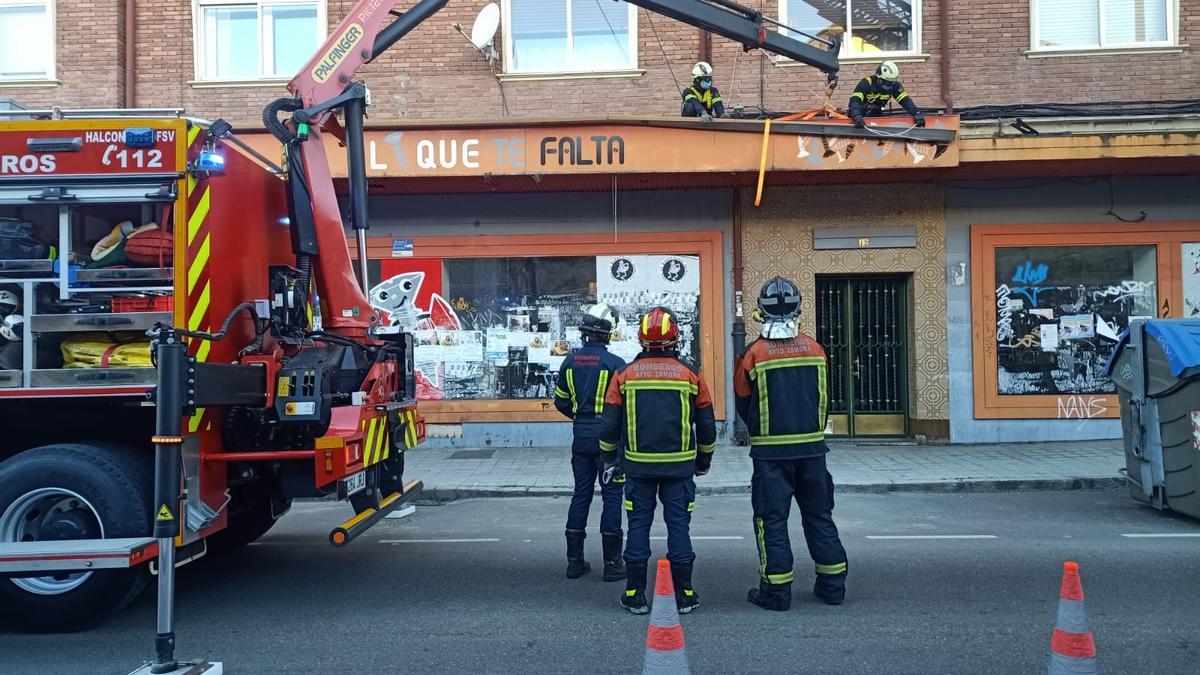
(209, 162)
(139, 138)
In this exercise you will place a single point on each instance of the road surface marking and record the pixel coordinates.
(1164, 535)
(732, 537)
(435, 541)
(932, 536)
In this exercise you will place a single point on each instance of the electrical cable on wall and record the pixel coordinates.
(1112, 206)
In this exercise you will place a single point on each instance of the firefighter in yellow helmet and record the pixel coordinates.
(876, 91)
(702, 99)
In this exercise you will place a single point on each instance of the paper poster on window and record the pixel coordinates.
(633, 284)
(1077, 326)
(1049, 337)
(1191, 280)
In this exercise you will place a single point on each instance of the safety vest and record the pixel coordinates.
(664, 410)
(706, 97)
(781, 390)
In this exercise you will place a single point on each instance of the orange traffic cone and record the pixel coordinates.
(665, 652)
(1072, 649)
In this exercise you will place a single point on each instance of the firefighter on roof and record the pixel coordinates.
(579, 394)
(780, 386)
(876, 91)
(664, 410)
(702, 99)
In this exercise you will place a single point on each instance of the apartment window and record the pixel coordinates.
(865, 27)
(570, 36)
(1102, 24)
(26, 39)
(254, 40)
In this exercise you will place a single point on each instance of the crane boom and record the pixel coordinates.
(327, 83)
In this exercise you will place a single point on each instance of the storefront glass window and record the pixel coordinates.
(1191, 280)
(1059, 310)
(499, 328)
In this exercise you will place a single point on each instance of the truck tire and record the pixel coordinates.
(73, 491)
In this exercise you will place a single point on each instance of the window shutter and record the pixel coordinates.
(1131, 22)
(539, 19)
(1068, 23)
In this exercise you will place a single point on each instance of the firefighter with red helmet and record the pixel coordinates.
(780, 385)
(663, 409)
(579, 394)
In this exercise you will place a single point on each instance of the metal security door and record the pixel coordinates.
(861, 325)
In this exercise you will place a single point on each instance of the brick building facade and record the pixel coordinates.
(950, 354)
(435, 74)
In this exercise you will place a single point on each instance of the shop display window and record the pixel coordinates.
(1050, 303)
(493, 324)
(1060, 310)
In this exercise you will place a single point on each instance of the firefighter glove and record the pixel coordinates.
(858, 122)
(613, 473)
(705, 117)
(919, 120)
(703, 463)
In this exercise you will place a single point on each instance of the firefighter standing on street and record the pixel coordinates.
(780, 385)
(875, 91)
(655, 401)
(579, 394)
(702, 99)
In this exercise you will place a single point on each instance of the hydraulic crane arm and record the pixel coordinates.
(749, 28)
(327, 83)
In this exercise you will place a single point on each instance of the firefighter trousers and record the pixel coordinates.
(587, 472)
(678, 497)
(774, 485)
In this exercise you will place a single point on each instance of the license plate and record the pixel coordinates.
(355, 483)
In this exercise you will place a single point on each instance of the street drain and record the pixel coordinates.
(472, 454)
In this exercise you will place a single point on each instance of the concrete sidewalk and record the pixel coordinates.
(1016, 467)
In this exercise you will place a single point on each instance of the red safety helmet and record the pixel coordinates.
(658, 330)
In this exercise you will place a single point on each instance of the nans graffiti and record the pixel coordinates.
(1082, 407)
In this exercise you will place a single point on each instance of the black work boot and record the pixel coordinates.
(830, 588)
(634, 598)
(576, 565)
(686, 598)
(614, 565)
(775, 597)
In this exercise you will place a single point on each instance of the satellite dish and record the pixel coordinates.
(485, 26)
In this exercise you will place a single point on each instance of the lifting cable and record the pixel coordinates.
(653, 29)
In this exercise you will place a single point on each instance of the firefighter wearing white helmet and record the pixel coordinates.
(877, 91)
(579, 394)
(702, 99)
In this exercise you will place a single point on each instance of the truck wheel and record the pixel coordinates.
(72, 491)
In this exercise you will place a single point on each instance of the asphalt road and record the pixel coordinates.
(478, 586)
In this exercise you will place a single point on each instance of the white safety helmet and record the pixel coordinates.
(12, 327)
(599, 322)
(888, 70)
(702, 69)
(8, 302)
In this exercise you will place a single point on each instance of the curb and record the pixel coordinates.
(433, 495)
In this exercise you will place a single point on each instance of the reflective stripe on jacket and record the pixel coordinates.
(579, 391)
(781, 390)
(663, 408)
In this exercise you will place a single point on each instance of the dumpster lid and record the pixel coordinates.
(1180, 342)
(1122, 341)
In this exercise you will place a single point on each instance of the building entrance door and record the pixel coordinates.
(862, 324)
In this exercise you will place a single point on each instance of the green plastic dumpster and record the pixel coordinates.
(1156, 368)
